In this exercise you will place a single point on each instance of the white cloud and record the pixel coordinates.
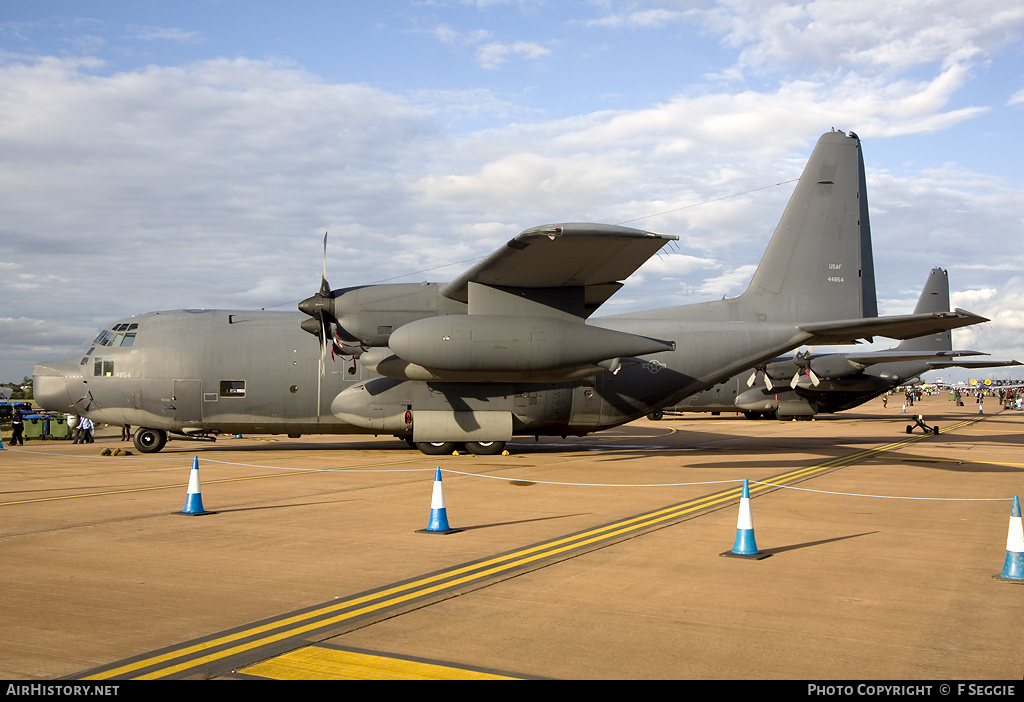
(873, 34)
(1003, 335)
(211, 183)
(654, 18)
(170, 34)
(495, 54)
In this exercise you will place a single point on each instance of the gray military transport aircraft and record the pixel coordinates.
(506, 349)
(806, 384)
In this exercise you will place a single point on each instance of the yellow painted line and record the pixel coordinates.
(398, 595)
(318, 663)
(300, 624)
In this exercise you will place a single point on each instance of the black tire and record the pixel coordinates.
(656, 416)
(910, 429)
(436, 448)
(485, 448)
(149, 440)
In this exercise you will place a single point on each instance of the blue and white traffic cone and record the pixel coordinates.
(438, 512)
(194, 496)
(1013, 567)
(745, 546)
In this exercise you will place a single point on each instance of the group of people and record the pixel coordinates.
(1012, 398)
(82, 434)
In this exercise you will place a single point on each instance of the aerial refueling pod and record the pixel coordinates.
(519, 346)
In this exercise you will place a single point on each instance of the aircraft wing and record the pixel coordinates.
(907, 326)
(944, 358)
(978, 363)
(590, 257)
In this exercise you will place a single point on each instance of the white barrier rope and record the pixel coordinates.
(532, 481)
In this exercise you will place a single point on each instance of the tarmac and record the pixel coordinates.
(590, 558)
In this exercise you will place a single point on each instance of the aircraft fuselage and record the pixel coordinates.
(201, 371)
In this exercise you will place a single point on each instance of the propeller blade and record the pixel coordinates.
(768, 382)
(795, 380)
(814, 378)
(751, 379)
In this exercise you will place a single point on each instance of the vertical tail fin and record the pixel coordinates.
(934, 298)
(819, 264)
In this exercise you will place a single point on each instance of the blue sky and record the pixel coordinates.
(159, 155)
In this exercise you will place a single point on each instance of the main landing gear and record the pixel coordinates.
(149, 440)
(446, 448)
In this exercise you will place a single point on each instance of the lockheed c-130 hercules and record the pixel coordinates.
(806, 384)
(507, 348)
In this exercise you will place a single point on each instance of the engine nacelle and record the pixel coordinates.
(495, 343)
(369, 314)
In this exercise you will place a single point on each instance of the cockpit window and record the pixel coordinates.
(117, 336)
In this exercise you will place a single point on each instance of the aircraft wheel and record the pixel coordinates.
(935, 431)
(150, 440)
(910, 429)
(436, 448)
(485, 448)
(752, 415)
(656, 415)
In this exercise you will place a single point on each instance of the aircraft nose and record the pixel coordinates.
(50, 388)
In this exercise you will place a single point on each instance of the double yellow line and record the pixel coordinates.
(204, 655)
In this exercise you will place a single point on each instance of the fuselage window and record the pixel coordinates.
(103, 367)
(232, 388)
(129, 339)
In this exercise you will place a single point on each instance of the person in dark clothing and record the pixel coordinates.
(17, 429)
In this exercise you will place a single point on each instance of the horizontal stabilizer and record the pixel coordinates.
(905, 326)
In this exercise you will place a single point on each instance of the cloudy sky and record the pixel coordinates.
(158, 155)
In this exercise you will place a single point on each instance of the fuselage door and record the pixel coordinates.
(187, 400)
(586, 404)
